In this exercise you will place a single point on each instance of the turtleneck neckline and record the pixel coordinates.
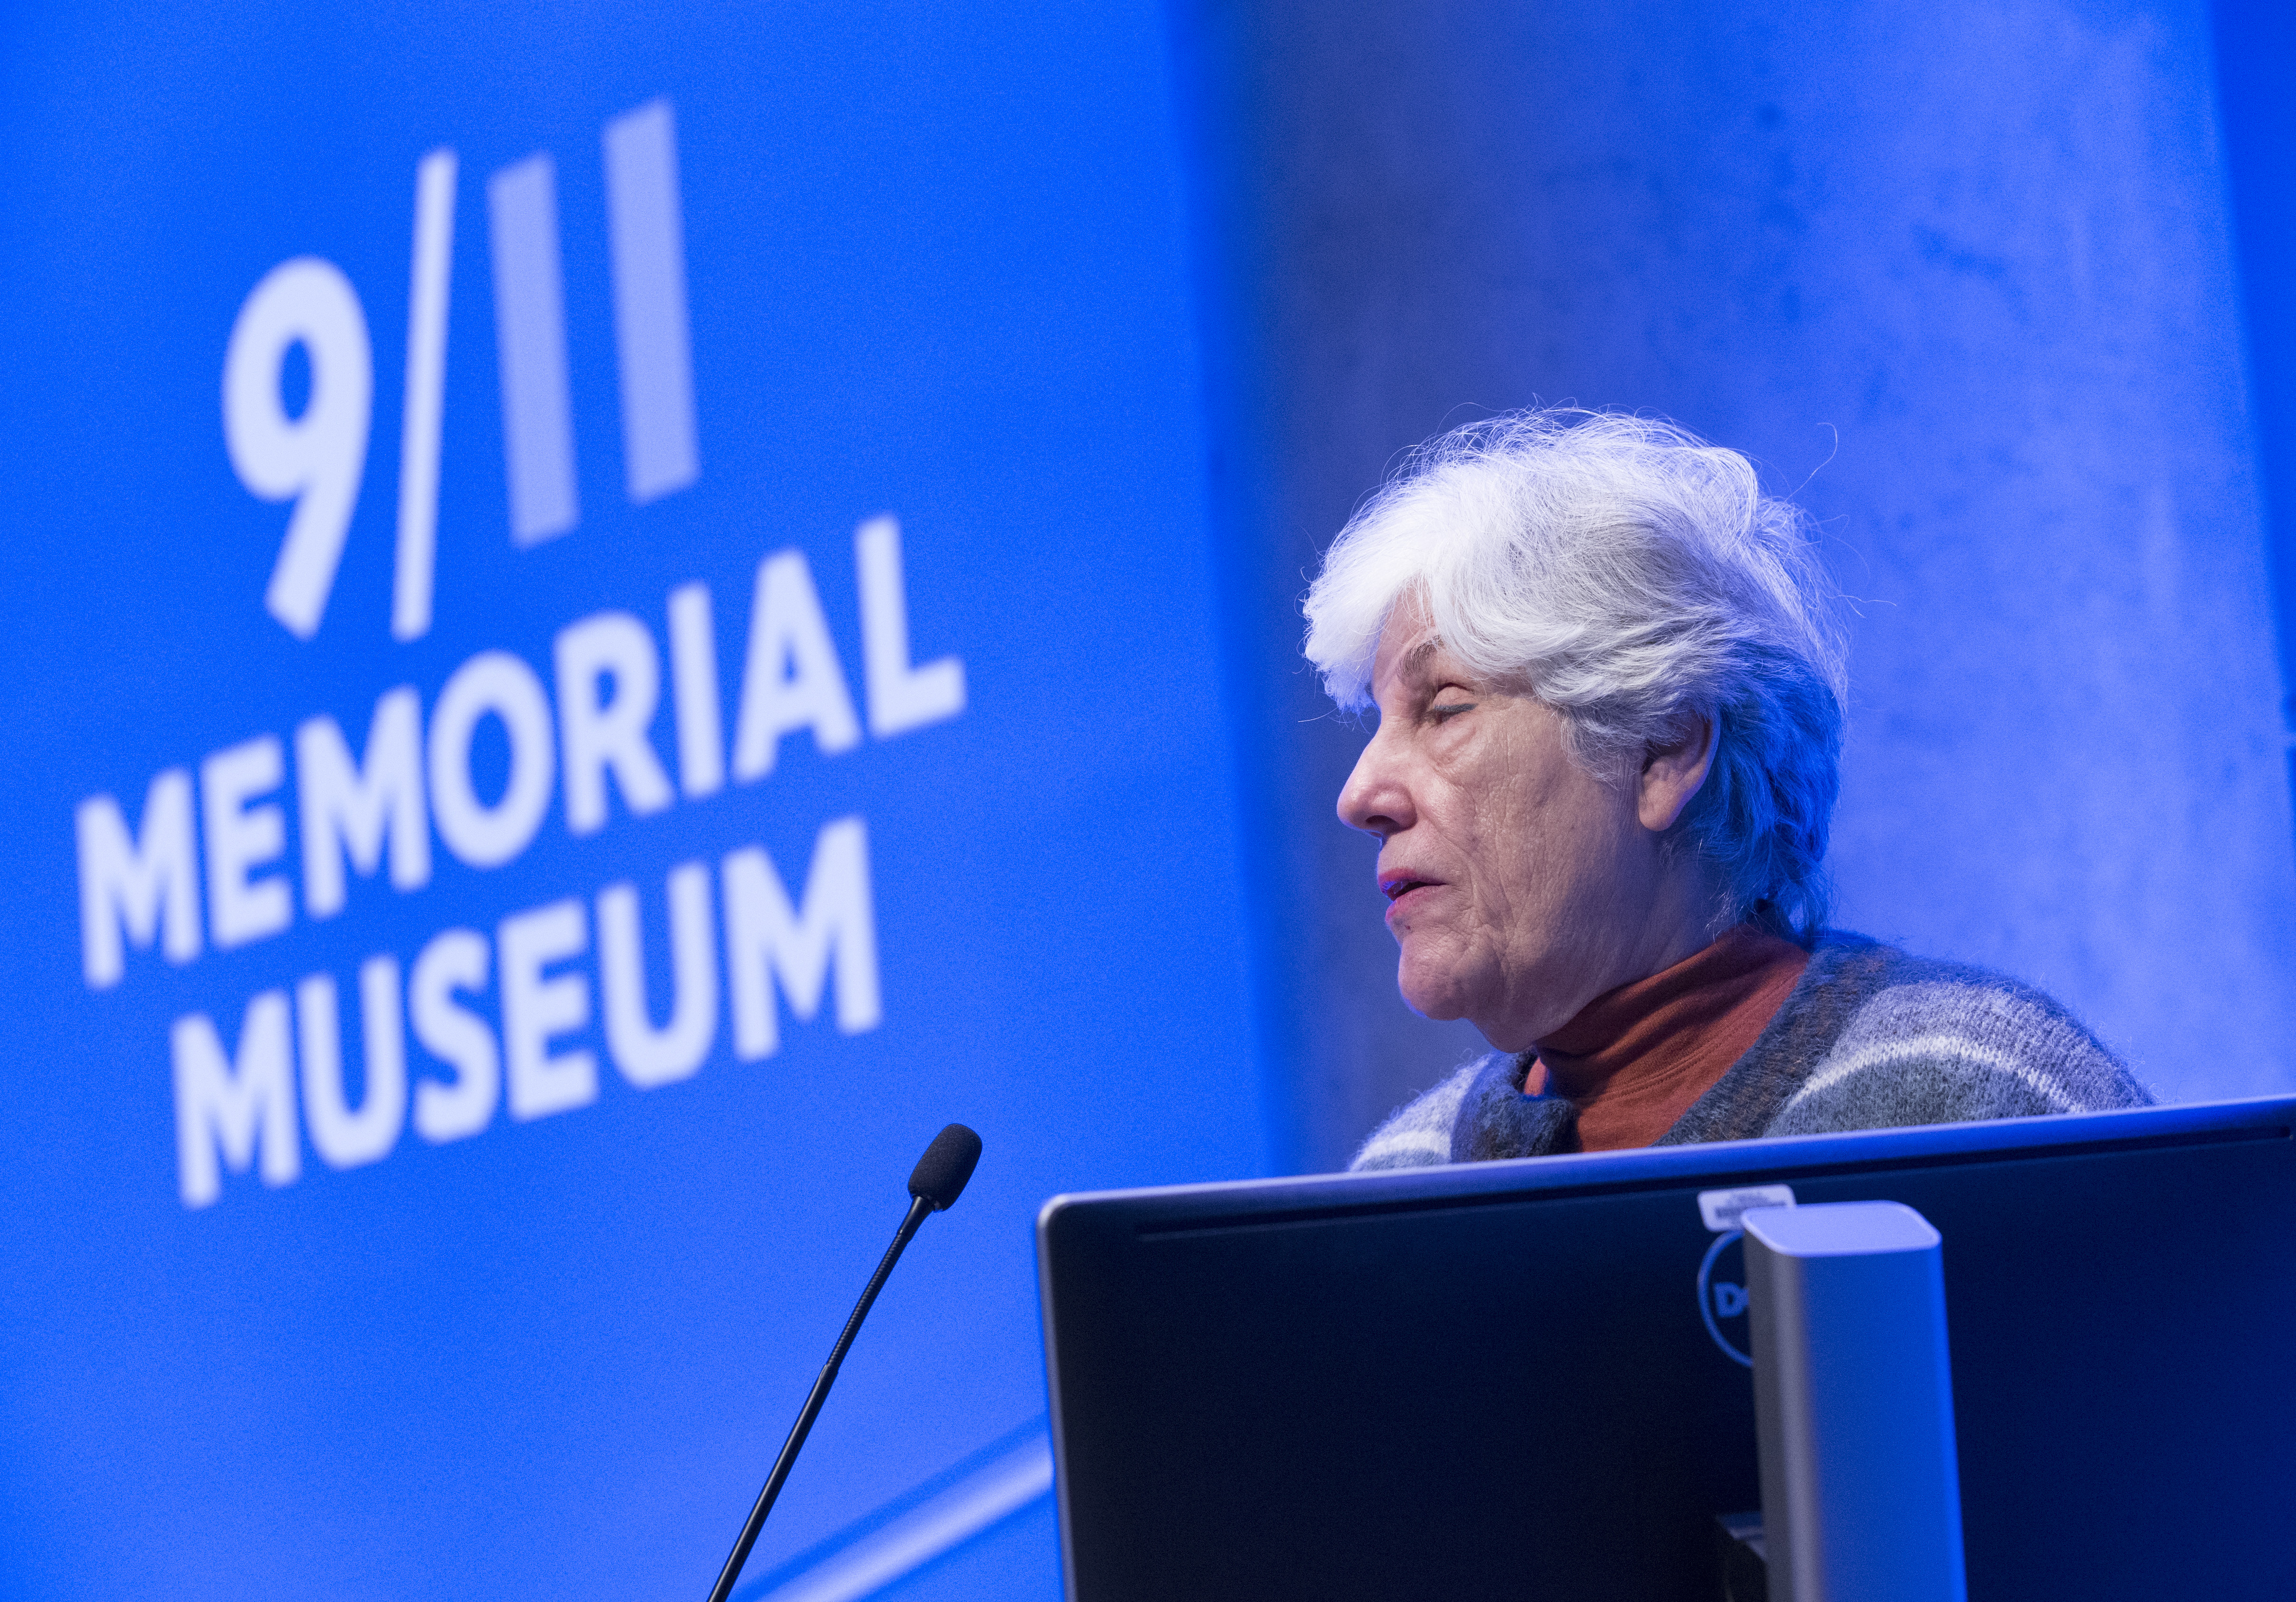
(1634, 1058)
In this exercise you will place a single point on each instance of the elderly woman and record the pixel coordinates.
(1609, 682)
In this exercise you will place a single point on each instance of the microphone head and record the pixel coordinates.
(941, 1174)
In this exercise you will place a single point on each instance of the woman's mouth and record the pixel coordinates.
(1401, 886)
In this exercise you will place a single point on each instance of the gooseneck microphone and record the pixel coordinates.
(934, 1185)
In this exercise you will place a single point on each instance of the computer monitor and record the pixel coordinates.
(1514, 1379)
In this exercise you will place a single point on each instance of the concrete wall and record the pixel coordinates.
(1958, 271)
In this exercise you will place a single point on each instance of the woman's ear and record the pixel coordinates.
(1675, 773)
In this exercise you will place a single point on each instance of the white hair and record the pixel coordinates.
(1630, 576)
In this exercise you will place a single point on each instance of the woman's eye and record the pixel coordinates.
(1445, 711)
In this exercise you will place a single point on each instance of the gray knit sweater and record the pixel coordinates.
(1868, 1038)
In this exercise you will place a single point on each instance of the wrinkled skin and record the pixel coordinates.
(1521, 886)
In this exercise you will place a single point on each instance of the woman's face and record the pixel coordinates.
(1520, 886)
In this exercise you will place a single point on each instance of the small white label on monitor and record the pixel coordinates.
(1721, 1209)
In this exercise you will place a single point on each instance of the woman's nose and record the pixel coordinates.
(1375, 798)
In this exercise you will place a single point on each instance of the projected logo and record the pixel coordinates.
(207, 866)
(317, 457)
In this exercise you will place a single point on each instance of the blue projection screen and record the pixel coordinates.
(611, 613)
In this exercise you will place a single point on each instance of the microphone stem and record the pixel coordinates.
(918, 1207)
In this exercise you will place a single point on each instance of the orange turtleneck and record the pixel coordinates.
(1634, 1059)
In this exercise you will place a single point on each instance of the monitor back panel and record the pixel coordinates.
(1497, 1380)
